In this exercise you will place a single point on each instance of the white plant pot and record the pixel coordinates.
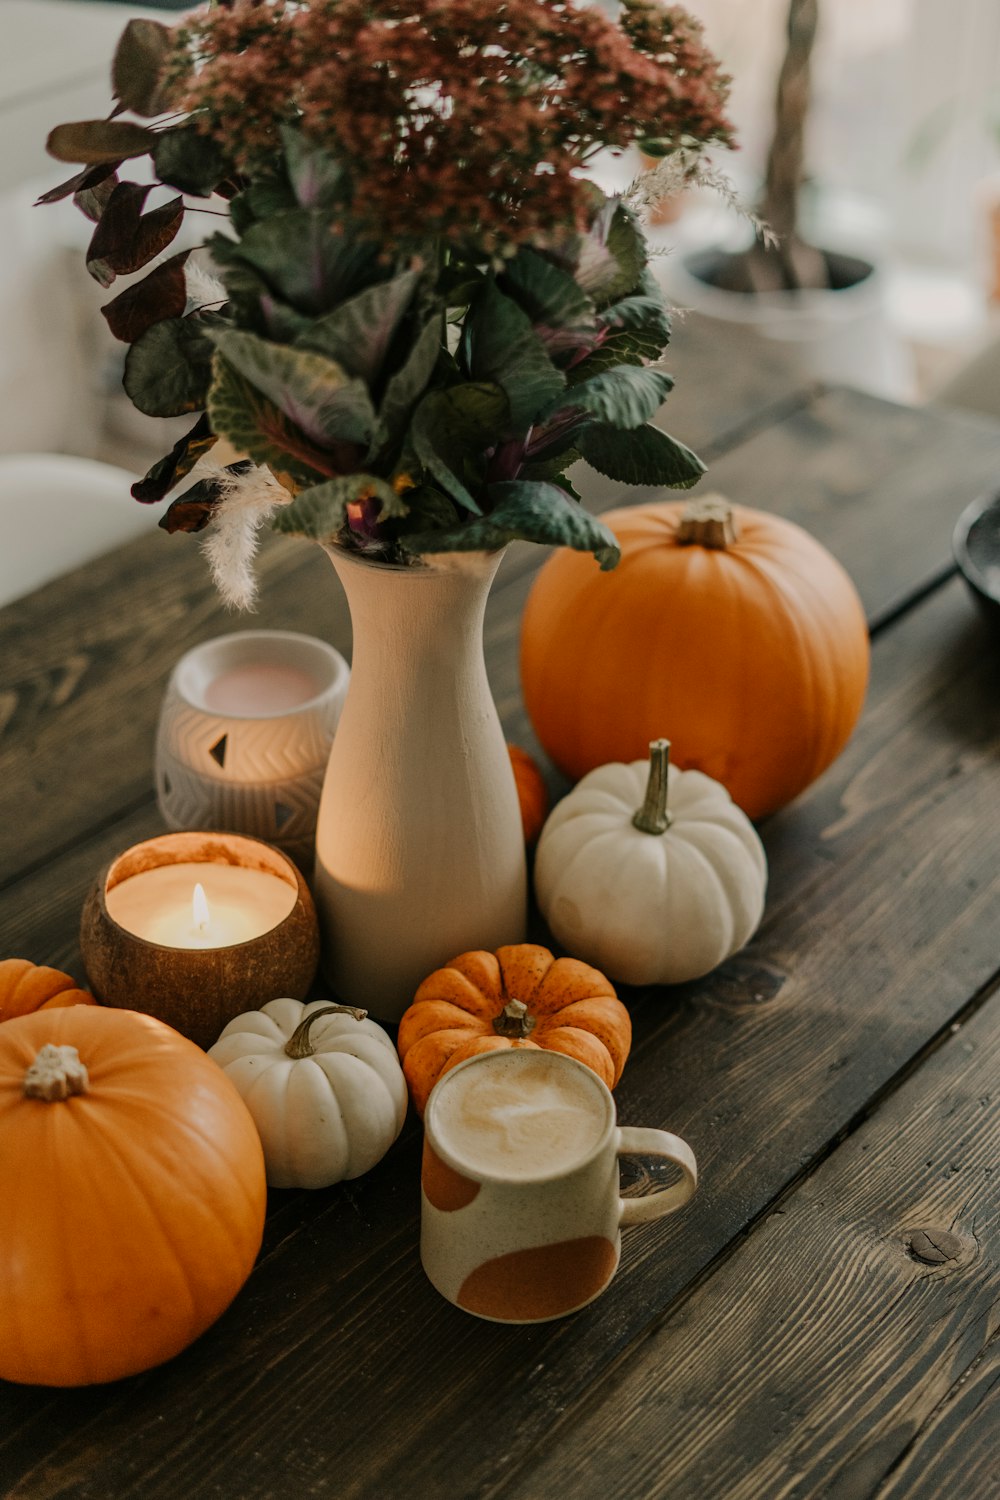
(419, 848)
(841, 335)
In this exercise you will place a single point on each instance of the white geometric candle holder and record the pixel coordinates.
(245, 733)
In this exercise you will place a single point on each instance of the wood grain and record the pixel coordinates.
(811, 1361)
(956, 1451)
(876, 952)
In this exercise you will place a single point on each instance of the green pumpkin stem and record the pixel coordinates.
(299, 1045)
(55, 1073)
(514, 1021)
(653, 816)
(708, 522)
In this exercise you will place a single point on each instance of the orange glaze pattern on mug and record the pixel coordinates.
(541, 1282)
(445, 1188)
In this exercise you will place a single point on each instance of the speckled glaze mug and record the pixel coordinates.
(521, 1215)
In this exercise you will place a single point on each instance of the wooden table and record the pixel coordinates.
(822, 1320)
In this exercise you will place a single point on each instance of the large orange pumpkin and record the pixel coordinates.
(25, 987)
(730, 631)
(532, 793)
(132, 1184)
(519, 996)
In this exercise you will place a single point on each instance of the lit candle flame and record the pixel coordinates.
(200, 915)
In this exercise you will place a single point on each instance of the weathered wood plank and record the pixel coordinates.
(813, 1358)
(956, 1453)
(871, 952)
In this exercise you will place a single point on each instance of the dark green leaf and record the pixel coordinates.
(407, 386)
(181, 459)
(315, 393)
(104, 141)
(452, 430)
(138, 64)
(264, 197)
(645, 311)
(314, 175)
(551, 468)
(255, 426)
(612, 256)
(357, 334)
(527, 511)
(161, 294)
(428, 510)
(189, 161)
(627, 348)
(303, 259)
(321, 511)
(168, 369)
(547, 294)
(458, 284)
(643, 456)
(625, 397)
(503, 348)
(125, 240)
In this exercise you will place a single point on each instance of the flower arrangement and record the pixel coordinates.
(421, 309)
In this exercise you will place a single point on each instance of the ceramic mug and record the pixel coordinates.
(521, 1215)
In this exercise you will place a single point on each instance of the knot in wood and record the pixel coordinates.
(936, 1247)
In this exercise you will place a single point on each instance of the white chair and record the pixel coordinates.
(57, 511)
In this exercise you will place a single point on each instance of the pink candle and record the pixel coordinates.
(260, 689)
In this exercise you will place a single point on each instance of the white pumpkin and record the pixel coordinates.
(324, 1087)
(646, 894)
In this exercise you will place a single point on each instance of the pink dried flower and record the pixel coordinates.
(464, 118)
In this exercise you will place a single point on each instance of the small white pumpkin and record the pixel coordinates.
(647, 895)
(324, 1087)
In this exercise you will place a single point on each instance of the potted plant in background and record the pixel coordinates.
(416, 312)
(827, 303)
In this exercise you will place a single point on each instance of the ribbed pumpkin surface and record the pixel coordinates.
(456, 1012)
(752, 660)
(26, 987)
(132, 1213)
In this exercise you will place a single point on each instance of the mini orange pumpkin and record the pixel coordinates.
(25, 987)
(532, 793)
(731, 631)
(520, 996)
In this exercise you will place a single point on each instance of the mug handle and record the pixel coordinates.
(643, 1142)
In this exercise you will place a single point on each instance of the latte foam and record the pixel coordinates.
(518, 1115)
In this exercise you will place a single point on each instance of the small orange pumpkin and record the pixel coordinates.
(25, 987)
(133, 1192)
(532, 792)
(731, 631)
(520, 996)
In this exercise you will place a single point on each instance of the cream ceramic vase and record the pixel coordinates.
(419, 849)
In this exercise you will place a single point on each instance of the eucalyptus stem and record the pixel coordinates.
(653, 816)
(298, 1044)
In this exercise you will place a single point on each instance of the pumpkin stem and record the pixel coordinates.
(708, 521)
(514, 1021)
(653, 816)
(55, 1073)
(298, 1044)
